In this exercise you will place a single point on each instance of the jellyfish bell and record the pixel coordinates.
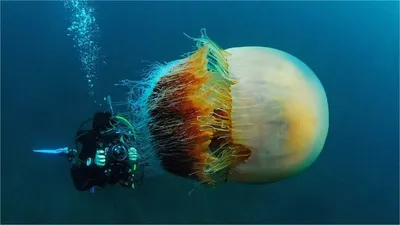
(245, 114)
(279, 111)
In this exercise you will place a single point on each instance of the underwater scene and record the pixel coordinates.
(200, 112)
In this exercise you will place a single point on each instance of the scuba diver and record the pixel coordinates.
(106, 156)
(103, 155)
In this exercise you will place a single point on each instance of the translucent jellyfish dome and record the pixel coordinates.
(244, 114)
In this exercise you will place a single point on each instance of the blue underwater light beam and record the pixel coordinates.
(52, 151)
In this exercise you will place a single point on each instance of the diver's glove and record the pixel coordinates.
(100, 158)
(132, 154)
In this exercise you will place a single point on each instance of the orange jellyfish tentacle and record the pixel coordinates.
(191, 116)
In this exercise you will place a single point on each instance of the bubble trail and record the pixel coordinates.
(84, 32)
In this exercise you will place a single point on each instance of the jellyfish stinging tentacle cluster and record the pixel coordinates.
(191, 123)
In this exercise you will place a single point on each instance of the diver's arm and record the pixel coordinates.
(89, 173)
(99, 160)
(88, 141)
(84, 178)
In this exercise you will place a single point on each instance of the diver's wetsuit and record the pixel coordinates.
(85, 177)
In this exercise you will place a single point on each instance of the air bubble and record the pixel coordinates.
(84, 31)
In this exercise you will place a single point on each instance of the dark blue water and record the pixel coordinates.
(353, 48)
